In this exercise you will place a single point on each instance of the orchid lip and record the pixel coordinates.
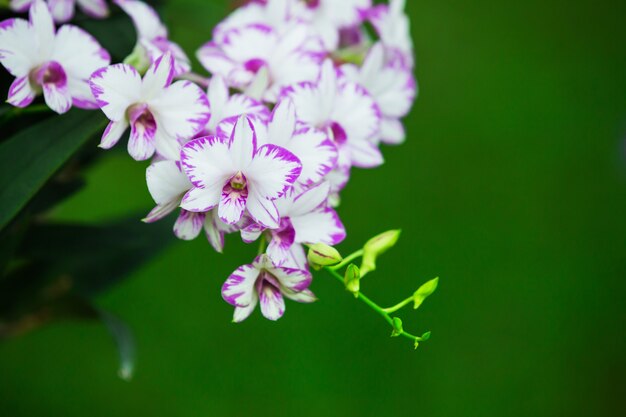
(50, 72)
(254, 65)
(140, 115)
(238, 181)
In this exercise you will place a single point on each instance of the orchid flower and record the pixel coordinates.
(162, 116)
(261, 59)
(153, 36)
(168, 184)
(393, 88)
(328, 17)
(264, 282)
(346, 111)
(63, 10)
(305, 218)
(57, 63)
(317, 153)
(235, 175)
(394, 29)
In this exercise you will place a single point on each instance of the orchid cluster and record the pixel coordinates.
(300, 93)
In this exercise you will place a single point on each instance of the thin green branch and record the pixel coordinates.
(381, 311)
(398, 306)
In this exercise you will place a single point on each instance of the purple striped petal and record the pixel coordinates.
(20, 93)
(239, 288)
(188, 225)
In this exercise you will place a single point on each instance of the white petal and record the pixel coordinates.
(292, 279)
(310, 200)
(43, 27)
(201, 200)
(242, 143)
(116, 88)
(242, 313)
(61, 10)
(160, 211)
(358, 114)
(18, 47)
(113, 133)
(78, 52)
(392, 131)
(283, 123)
(263, 211)
(58, 99)
(158, 77)
(365, 154)
(144, 17)
(213, 233)
(319, 227)
(217, 94)
(232, 206)
(272, 171)
(208, 166)
(166, 182)
(272, 302)
(317, 153)
(188, 225)
(181, 109)
(305, 296)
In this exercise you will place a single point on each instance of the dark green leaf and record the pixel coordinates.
(31, 157)
(95, 257)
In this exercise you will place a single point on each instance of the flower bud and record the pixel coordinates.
(375, 247)
(321, 255)
(424, 291)
(138, 59)
(397, 327)
(352, 279)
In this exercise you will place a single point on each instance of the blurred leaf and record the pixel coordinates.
(95, 257)
(31, 157)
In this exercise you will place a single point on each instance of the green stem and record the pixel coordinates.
(398, 306)
(376, 308)
(346, 261)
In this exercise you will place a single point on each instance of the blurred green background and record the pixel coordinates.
(511, 188)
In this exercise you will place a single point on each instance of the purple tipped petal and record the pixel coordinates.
(238, 290)
(273, 171)
(20, 93)
(188, 225)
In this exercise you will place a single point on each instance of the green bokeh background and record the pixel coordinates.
(511, 188)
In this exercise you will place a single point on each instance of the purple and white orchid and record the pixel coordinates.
(261, 60)
(392, 87)
(346, 111)
(63, 10)
(162, 115)
(55, 63)
(299, 94)
(266, 284)
(236, 175)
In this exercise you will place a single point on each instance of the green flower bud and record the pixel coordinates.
(375, 247)
(321, 255)
(424, 291)
(397, 327)
(426, 336)
(352, 279)
(138, 59)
